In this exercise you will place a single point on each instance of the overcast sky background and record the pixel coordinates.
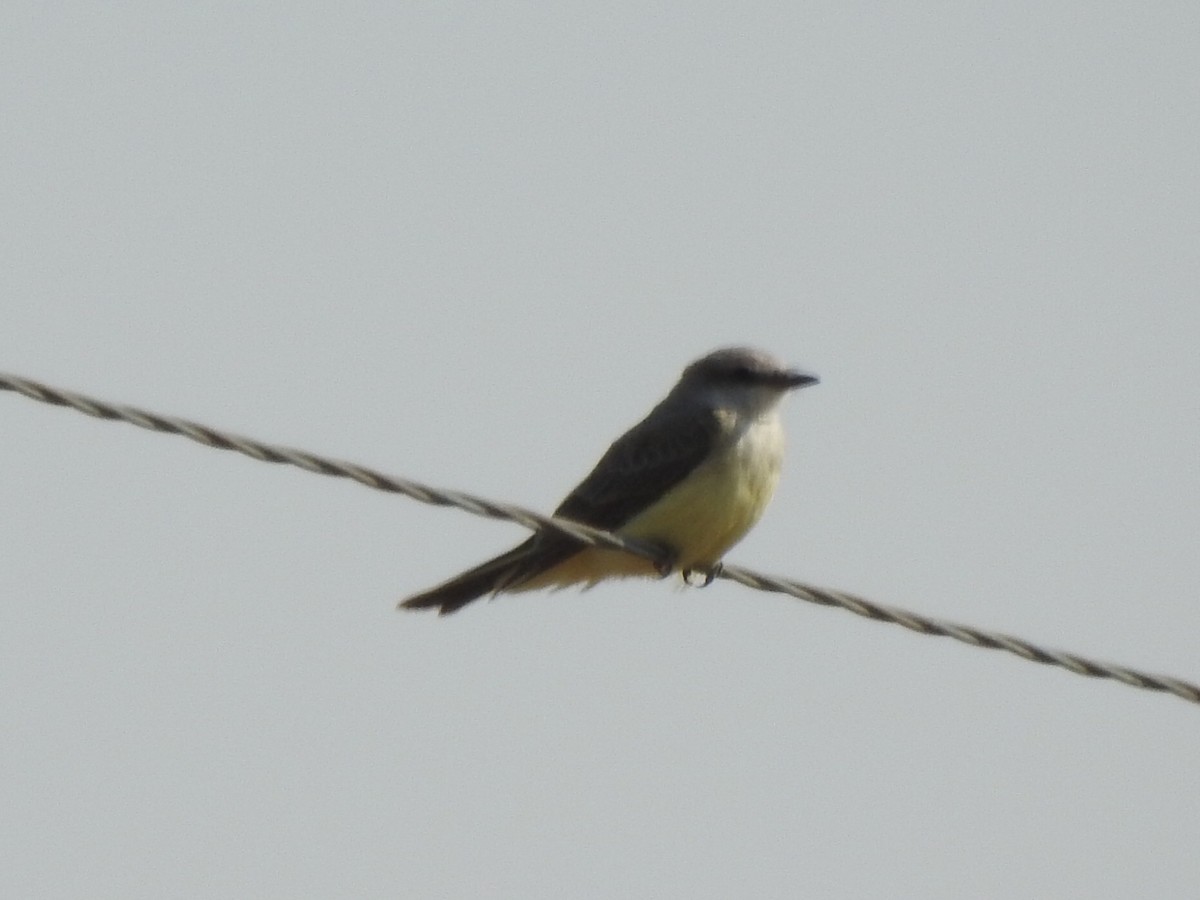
(469, 244)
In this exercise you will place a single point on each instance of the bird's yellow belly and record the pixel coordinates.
(709, 512)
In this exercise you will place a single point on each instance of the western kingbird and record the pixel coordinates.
(692, 477)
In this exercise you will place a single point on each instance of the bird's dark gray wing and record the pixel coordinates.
(642, 465)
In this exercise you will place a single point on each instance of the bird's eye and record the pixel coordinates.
(743, 373)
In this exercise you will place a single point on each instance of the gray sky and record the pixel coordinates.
(470, 244)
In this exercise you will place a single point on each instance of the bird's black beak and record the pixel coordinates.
(794, 378)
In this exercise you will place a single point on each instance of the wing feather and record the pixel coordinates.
(642, 465)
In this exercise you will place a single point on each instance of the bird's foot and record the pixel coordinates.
(706, 576)
(667, 558)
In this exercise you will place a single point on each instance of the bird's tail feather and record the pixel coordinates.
(508, 570)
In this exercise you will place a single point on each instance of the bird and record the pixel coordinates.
(691, 478)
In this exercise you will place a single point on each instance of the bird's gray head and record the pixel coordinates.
(742, 376)
(744, 366)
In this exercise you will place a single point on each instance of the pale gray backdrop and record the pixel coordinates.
(471, 243)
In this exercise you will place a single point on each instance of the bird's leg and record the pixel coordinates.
(667, 558)
(707, 576)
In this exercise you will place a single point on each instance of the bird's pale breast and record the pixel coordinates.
(711, 510)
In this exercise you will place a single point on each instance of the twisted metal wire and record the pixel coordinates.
(584, 534)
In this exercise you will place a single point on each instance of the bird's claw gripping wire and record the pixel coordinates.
(707, 576)
(664, 565)
(693, 576)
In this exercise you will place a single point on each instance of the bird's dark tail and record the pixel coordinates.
(506, 571)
